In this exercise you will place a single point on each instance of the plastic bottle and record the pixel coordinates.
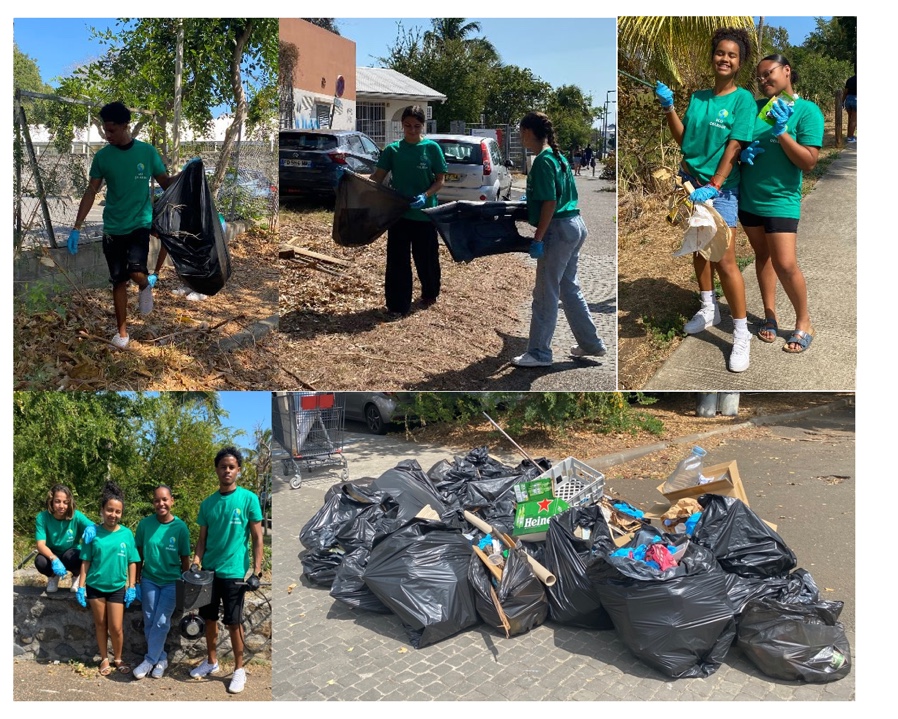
(688, 472)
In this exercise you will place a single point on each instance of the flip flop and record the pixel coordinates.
(107, 670)
(121, 666)
(769, 325)
(800, 338)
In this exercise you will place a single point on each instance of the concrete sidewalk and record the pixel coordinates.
(827, 254)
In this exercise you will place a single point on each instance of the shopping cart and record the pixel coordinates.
(317, 428)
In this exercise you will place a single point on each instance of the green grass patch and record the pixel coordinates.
(663, 329)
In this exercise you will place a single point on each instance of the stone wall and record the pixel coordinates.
(56, 627)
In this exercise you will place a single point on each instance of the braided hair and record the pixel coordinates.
(112, 491)
(737, 35)
(541, 126)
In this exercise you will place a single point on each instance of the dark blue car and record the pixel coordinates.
(311, 161)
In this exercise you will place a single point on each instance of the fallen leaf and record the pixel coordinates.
(350, 649)
(403, 650)
(291, 588)
(331, 681)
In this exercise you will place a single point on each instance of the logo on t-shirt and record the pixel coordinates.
(236, 517)
(723, 114)
(172, 547)
(69, 535)
(122, 550)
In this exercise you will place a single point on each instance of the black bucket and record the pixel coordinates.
(194, 590)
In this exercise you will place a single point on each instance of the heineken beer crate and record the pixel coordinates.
(531, 519)
(576, 483)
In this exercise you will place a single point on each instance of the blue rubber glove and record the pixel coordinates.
(703, 194)
(523, 198)
(749, 154)
(781, 113)
(419, 202)
(665, 95)
(138, 593)
(81, 596)
(691, 522)
(537, 249)
(153, 279)
(89, 533)
(58, 568)
(72, 243)
(130, 595)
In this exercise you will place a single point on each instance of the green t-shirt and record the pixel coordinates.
(60, 534)
(109, 555)
(710, 122)
(414, 169)
(549, 180)
(227, 518)
(771, 187)
(127, 174)
(162, 545)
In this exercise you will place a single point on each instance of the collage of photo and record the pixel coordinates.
(434, 359)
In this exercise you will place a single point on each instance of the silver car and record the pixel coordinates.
(375, 409)
(477, 170)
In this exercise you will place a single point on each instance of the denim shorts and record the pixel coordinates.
(726, 203)
(851, 102)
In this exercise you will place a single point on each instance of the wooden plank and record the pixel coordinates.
(288, 250)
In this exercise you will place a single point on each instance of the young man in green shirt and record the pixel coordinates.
(126, 165)
(227, 519)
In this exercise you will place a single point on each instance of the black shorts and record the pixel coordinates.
(771, 225)
(230, 593)
(126, 254)
(116, 597)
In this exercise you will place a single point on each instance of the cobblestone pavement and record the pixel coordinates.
(324, 650)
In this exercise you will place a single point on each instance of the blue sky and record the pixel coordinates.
(246, 410)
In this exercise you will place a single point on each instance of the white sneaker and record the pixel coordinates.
(119, 341)
(739, 355)
(204, 669)
(703, 319)
(76, 582)
(159, 669)
(142, 669)
(577, 351)
(145, 300)
(528, 360)
(52, 584)
(238, 681)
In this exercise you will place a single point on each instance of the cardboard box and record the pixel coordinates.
(531, 519)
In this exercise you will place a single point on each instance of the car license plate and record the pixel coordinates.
(452, 177)
(297, 163)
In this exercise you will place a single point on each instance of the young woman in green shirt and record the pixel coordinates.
(786, 143)
(57, 531)
(710, 135)
(108, 570)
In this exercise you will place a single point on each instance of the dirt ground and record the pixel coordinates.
(335, 332)
(62, 342)
(74, 681)
(657, 292)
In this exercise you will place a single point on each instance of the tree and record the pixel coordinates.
(328, 23)
(835, 38)
(26, 75)
(572, 115)
(774, 40)
(288, 59)
(450, 29)
(513, 92)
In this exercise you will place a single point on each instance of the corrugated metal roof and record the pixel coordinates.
(384, 82)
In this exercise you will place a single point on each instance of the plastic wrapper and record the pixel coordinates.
(573, 599)
(348, 586)
(520, 594)
(420, 573)
(364, 210)
(479, 229)
(678, 621)
(707, 233)
(741, 541)
(187, 223)
(795, 641)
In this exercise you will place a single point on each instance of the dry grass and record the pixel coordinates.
(336, 335)
(61, 342)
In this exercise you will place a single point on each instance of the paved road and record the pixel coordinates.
(801, 478)
(827, 254)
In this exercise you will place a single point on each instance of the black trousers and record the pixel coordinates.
(407, 240)
(70, 558)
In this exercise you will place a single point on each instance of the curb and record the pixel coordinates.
(610, 460)
(252, 334)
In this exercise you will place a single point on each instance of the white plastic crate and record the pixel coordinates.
(575, 482)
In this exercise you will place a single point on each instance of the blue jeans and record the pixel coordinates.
(556, 278)
(158, 601)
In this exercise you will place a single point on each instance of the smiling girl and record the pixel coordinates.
(710, 134)
(57, 531)
(108, 571)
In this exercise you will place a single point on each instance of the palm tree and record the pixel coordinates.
(455, 29)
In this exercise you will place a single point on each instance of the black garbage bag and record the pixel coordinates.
(741, 541)
(412, 490)
(740, 590)
(187, 223)
(349, 587)
(320, 566)
(346, 517)
(479, 229)
(364, 210)
(520, 593)
(573, 599)
(795, 641)
(420, 572)
(678, 621)
(500, 514)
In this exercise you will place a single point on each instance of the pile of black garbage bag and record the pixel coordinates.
(735, 580)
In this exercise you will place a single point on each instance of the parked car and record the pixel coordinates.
(477, 170)
(311, 161)
(375, 409)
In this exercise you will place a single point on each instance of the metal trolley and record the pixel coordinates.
(317, 428)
